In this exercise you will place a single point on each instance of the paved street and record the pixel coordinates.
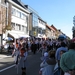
(4, 56)
(7, 66)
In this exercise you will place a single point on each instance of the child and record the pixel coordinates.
(43, 63)
(23, 60)
(45, 57)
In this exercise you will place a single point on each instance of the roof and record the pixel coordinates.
(50, 27)
(53, 27)
(19, 3)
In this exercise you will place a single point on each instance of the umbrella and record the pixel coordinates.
(8, 39)
(61, 37)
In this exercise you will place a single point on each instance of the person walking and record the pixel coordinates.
(23, 60)
(43, 49)
(67, 61)
(47, 66)
(34, 47)
(43, 64)
(57, 54)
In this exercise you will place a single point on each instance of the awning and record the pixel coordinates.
(15, 35)
(24, 35)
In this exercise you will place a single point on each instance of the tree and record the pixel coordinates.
(8, 26)
(2, 18)
(73, 30)
(5, 18)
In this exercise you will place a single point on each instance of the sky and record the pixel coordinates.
(60, 13)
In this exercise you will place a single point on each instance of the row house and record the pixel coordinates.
(16, 20)
(21, 21)
(50, 32)
(56, 31)
(28, 21)
(53, 33)
(60, 32)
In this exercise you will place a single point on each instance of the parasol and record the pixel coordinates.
(61, 37)
(8, 39)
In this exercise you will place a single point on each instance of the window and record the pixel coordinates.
(25, 18)
(25, 29)
(13, 11)
(43, 31)
(35, 20)
(18, 27)
(22, 28)
(35, 23)
(22, 15)
(39, 30)
(18, 14)
(13, 26)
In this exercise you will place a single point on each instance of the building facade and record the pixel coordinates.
(17, 20)
(36, 25)
(50, 32)
(41, 28)
(20, 20)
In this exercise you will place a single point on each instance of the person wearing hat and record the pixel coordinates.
(45, 57)
(67, 61)
(47, 68)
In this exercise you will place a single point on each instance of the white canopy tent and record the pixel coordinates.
(15, 35)
(24, 35)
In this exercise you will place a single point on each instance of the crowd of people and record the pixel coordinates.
(57, 56)
(60, 59)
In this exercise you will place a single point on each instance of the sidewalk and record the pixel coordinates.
(4, 55)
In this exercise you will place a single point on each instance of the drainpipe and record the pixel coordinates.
(6, 18)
